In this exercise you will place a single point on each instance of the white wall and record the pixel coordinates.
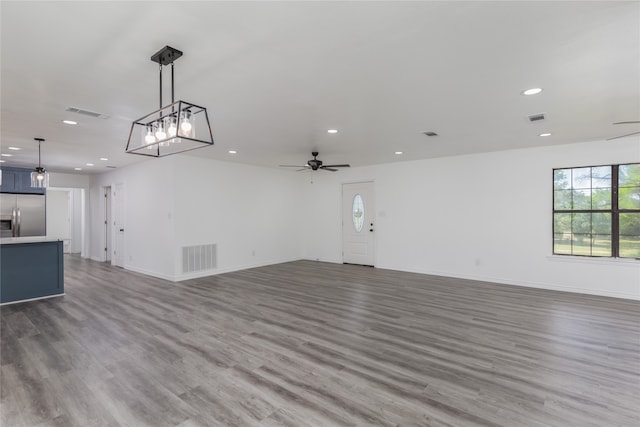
(485, 217)
(250, 212)
(149, 188)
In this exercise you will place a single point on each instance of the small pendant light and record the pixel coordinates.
(39, 177)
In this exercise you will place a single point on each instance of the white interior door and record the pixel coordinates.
(117, 201)
(358, 213)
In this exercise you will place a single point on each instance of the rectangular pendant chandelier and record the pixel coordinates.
(175, 128)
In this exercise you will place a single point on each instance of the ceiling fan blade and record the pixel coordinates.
(336, 166)
(622, 136)
(324, 168)
(293, 166)
(627, 123)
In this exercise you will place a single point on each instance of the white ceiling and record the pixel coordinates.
(275, 76)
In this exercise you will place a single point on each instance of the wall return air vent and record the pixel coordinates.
(199, 258)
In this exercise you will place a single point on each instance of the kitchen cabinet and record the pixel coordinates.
(18, 180)
(31, 269)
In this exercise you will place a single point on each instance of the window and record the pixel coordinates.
(358, 212)
(596, 211)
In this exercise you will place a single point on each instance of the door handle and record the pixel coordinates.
(14, 222)
(122, 229)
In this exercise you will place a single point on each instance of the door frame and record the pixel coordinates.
(344, 220)
(117, 202)
(107, 236)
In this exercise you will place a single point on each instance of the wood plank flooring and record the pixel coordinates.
(316, 344)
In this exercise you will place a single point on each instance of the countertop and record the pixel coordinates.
(30, 239)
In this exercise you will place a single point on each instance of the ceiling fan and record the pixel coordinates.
(628, 134)
(315, 164)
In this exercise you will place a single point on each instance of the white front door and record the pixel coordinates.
(358, 213)
(117, 201)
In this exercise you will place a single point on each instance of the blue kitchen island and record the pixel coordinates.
(30, 268)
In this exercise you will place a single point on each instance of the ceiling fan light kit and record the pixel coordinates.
(175, 128)
(315, 164)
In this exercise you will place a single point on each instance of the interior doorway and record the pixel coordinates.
(358, 214)
(65, 217)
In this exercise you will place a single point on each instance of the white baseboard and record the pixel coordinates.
(528, 284)
(149, 273)
(196, 275)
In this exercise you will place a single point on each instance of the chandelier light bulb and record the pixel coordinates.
(160, 133)
(149, 138)
(185, 125)
(172, 130)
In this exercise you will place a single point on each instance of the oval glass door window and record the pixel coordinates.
(358, 213)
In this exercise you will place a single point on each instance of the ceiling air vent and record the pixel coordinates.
(87, 113)
(430, 133)
(536, 117)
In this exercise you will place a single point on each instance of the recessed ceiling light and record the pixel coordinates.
(332, 131)
(69, 122)
(89, 164)
(104, 159)
(6, 155)
(545, 134)
(398, 152)
(78, 169)
(233, 152)
(532, 91)
(14, 148)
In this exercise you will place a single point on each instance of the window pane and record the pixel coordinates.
(581, 223)
(629, 198)
(629, 175)
(601, 177)
(561, 179)
(601, 223)
(358, 213)
(562, 243)
(562, 199)
(630, 247)
(562, 223)
(581, 178)
(601, 245)
(630, 235)
(629, 224)
(582, 199)
(581, 244)
(601, 198)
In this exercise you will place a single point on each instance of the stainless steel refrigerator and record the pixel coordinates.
(22, 215)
